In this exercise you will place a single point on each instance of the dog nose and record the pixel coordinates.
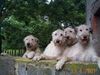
(28, 44)
(67, 37)
(85, 37)
(57, 41)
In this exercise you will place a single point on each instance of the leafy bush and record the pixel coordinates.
(24, 17)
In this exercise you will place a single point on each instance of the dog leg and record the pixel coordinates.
(61, 62)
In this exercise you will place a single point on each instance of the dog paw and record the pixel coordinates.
(58, 58)
(94, 59)
(37, 58)
(90, 59)
(59, 65)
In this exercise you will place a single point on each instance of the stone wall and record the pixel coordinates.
(7, 65)
(20, 66)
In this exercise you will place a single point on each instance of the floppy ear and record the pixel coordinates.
(91, 30)
(72, 26)
(64, 29)
(52, 34)
(36, 39)
(24, 38)
(76, 29)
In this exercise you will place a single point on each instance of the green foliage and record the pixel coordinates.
(15, 52)
(24, 17)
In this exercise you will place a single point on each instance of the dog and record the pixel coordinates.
(83, 50)
(88, 53)
(71, 51)
(32, 47)
(55, 48)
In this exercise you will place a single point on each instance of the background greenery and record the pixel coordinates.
(23, 17)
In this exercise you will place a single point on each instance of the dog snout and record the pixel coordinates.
(28, 44)
(85, 37)
(67, 37)
(57, 41)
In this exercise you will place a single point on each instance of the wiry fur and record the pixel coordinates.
(31, 44)
(55, 48)
(85, 43)
(83, 50)
(71, 49)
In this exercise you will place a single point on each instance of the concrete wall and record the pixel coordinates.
(20, 66)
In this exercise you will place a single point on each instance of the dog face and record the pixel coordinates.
(83, 33)
(70, 35)
(58, 37)
(30, 42)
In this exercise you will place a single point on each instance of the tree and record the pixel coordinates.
(36, 17)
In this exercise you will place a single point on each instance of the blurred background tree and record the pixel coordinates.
(39, 18)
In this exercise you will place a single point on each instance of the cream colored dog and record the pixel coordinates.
(88, 53)
(55, 48)
(71, 51)
(83, 50)
(31, 44)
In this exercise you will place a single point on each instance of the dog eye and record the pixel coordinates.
(61, 34)
(56, 34)
(26, 39)
(81, 30)
(32, 39)
(86, 29)
(71, 31)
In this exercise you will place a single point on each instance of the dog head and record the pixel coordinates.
(70, 35)
(58, 37)
(30, 42)
(83, 33)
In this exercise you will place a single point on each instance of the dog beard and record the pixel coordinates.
(60, 43)
(71, 41)
(31, 47)
(84, 41)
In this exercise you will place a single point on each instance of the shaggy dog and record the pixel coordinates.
(71, 51)
(31, 44)
(88, 53)
(55, 48)
(83, 50)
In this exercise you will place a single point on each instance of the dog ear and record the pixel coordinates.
(25, 38)
(91, 30)
(72, 26)
(36, 39)
(76, 29)
(52, 34)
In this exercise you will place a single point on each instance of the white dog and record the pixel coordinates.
(55, 48)
(83, 50)
(71, 50)
(31, 44)
(88, 52)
